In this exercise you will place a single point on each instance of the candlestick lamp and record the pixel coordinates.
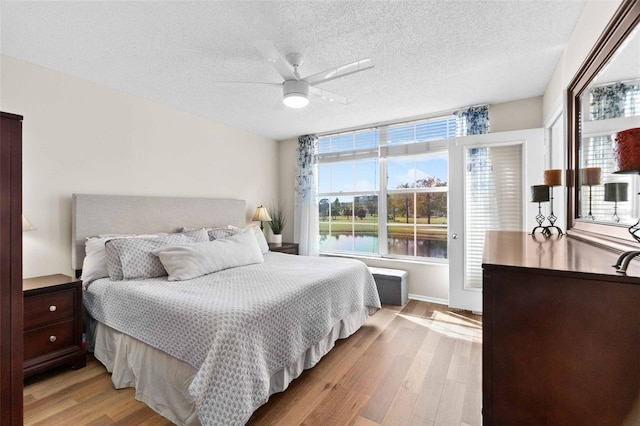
(616, 191)
(540, 194)
(553, 178)
(590, 176)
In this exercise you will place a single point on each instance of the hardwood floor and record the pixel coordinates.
(421, 365)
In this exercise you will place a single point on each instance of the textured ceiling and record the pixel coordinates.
(429, 56)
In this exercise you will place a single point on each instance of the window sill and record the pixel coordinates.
(430, 261)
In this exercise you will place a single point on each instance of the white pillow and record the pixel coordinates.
(188, 261)
(262, 241)
(229, 230)
(94, 265)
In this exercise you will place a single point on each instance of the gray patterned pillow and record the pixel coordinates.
(132, 258)
(223, 232)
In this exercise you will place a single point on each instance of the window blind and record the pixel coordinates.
(493, 178)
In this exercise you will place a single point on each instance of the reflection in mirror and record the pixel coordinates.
(609, 104)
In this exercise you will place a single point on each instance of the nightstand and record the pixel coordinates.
(52, 323)
(289, 248)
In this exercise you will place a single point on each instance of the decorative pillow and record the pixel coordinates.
(188, 261)
(187, 228)
(223, 232)
(132, 258)
(94, 265)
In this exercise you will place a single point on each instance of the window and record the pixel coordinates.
(384, 191)
(493, 199)
(607, 108)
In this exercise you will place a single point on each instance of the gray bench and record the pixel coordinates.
(391, 284)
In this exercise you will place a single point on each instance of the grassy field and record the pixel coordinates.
(399, 220)
(343, 225)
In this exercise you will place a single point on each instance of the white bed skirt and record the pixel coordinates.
(162, 381)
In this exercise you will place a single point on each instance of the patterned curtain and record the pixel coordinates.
(472, 121)
(306, 221)
(613, 101)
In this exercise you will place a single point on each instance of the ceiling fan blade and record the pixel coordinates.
(332, 74)
(262, 83)
(271, 54)
(330, 96)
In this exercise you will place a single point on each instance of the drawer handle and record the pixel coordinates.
(52, 339)
(52, 308)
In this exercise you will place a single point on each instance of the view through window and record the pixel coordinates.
(384, 190)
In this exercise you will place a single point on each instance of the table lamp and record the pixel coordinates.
(591, 176)
(553, 178)
(616, 191)
(262, 215)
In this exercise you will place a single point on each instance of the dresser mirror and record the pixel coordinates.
(604, 99)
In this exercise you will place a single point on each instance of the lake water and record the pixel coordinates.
(396, 245)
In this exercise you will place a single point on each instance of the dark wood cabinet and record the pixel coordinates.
(561, 333)
(10, 269)
(52, 323)
(289, 248)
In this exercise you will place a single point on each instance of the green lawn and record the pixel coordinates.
(394, 230)
(399, 220)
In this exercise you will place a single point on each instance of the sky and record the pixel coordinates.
(363, 175)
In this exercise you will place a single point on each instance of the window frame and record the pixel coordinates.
(412, 150)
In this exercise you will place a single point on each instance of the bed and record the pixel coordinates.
(212, 348)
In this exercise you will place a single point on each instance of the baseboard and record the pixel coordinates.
(429, 299)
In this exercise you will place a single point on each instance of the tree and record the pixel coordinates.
(401, 203)
(335, 208)
(323, 208)
(361, 213)
(346, 211)
(372, 207)
(432, 203)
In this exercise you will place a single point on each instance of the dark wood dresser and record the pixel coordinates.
(52, 323)
(561, 333)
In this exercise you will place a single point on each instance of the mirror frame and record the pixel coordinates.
(614, 237)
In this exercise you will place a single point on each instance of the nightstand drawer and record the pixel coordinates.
(48, 308)
(291, 250)
(287, 248)
(48, 339)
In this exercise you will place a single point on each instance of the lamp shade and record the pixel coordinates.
(540, 193)
(626, 151)
(26, 225)
(262, 215)
(553, 177)
(616, 191)
(591, 176)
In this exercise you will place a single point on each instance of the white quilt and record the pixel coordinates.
(239, 326)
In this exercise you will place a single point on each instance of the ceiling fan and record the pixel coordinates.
(295, 88)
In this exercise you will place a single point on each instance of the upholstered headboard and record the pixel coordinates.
(92, 215)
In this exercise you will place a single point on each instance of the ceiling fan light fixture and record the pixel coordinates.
(296, 93)
(295, 100)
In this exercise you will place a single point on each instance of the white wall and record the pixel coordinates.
(426, 281)
(516, 115)
(80, 137)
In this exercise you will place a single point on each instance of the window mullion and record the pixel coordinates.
(382, 208)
